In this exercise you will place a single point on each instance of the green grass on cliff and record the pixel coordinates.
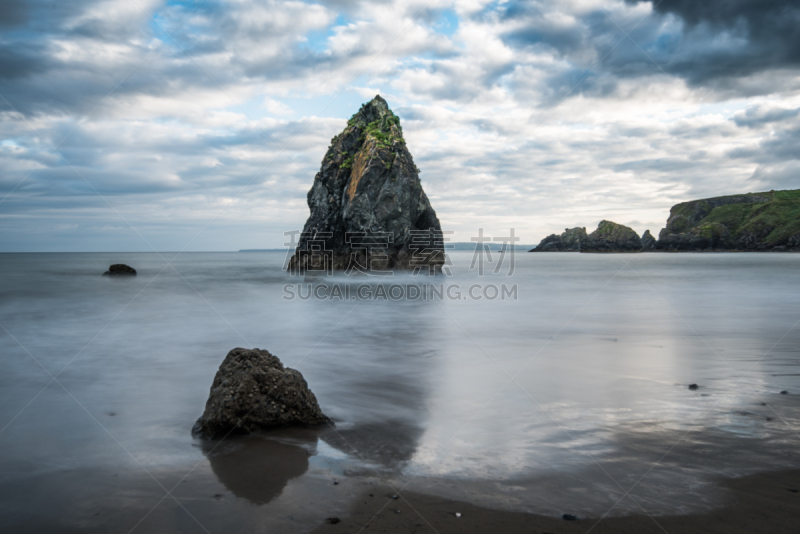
(385, 130)
(779, 218)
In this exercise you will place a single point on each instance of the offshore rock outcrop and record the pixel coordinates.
(612, 237)
(751, 222)
(648, 241)
(253, 391)
(569, 241)
(368, 209)
(120, 269)
(609, 237)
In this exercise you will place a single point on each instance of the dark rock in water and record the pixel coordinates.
(648, 241)
(368, 209)
(693, 386)
(612, 237)
(784, 392)
(120, 268)
(569, 241)
(569, 517)
(332, 520)
(253, 391)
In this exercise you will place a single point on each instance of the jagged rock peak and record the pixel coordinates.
(368, 209)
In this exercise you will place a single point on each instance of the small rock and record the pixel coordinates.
(395, 497)
(569, 517)
(218, 496)
(332, 520)
(693, 386)
(792, 490)
(335, 482)
(253, 391)
(784, 392)
(120, 268)
(397, 511)
(769, 418)
(458, 514)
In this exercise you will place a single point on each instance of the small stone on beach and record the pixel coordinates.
(693, 386)
(569, 517)
(333, 520)
(395, 497)
(458, 514)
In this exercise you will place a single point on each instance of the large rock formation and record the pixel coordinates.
(253, 391)
(368, 209)
(569, 241)
(612, 237)
(752, 222)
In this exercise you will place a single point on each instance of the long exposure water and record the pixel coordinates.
(566, 394)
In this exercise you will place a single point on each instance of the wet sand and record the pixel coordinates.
(765, 502)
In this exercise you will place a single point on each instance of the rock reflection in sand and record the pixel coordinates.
(255, 468)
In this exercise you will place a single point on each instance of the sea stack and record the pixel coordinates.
(368, 209)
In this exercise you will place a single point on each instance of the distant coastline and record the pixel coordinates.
(751, 222)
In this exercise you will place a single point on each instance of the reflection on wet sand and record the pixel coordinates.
(255, 468)
(379, 376)
(389, 443)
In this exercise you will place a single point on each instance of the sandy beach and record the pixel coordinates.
(765, 502)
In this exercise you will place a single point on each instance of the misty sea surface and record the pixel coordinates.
(571, 397)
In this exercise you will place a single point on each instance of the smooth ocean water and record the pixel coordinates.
(573, 397)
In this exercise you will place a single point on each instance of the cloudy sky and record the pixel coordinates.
(199, 125)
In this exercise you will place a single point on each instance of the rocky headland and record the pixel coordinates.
(748, 222)
(368, 208)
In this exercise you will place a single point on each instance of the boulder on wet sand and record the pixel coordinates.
(253, 391)
(120, 268)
